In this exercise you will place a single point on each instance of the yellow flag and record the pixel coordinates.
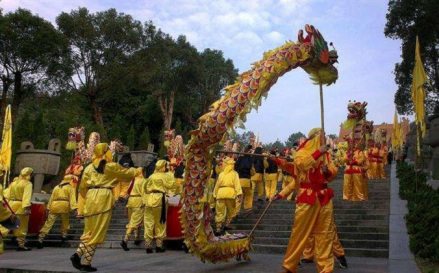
(6, 149)
(418, 90)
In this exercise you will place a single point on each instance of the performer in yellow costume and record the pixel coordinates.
(227, 189)
(353, 187)
(257, 179)
(313, 169)
(97, 183)
(136, 210)
(381, 155)
(372, 154)
(178, 176)
(120, 191)
(270, 178)
(61, 203)
(19, 195)
(154, 198)
(5, 212)
(245, 169)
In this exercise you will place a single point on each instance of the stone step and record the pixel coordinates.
(346, 243)
(353, 252)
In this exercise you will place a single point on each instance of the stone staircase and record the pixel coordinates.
(363, 227)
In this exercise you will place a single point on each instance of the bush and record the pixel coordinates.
(423, 217)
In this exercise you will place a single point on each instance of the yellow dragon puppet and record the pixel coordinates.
(310, 53)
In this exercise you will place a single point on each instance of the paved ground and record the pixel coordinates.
(136, 260)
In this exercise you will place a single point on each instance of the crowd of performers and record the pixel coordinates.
(305, 170)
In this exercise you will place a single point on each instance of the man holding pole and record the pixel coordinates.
(314, 211)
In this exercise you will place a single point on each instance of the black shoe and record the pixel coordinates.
(342, 262)
(137, 242)
(39, 245)
(23, 248)
(306, 261)
(228, 228)
(148, 250)
(267, 199)
(64, 239)
(88, 268)
(123, 244)
(76, 261)
(160, 249)
(217, 233)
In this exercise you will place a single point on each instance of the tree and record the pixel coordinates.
(293, 138)
(131, 138)
(31, 54)
(99, 42)
(144, 140)
(407, 19)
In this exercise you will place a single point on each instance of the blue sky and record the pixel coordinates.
(243, 30)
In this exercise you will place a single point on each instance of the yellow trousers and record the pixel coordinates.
(135, 216)
(309, 218)
(209, 191)
(257, 184)
(365, 188)
(288, 179)
(270, 184)
(95, 228)
(81, 202)
(65, 225)
(337, 248)
(3, 232)
(353, 187)
(223, 208)
(247, 192)
(153, 228)
(179, 182)
(380, 171)
(372, 171)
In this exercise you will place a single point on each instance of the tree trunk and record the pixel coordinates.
(6, 84)
(17, 98)
(167, 108)
(97, 115)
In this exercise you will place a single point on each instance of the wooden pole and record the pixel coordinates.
(242, 153)
(260, 219)
(322, 115)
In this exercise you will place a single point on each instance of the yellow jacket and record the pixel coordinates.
(19, 195)
(135, 198)
(63, 199)
(227, 186)
(97, 187)
(5, 213)
(156, 185)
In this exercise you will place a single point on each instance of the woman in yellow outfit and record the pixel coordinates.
(96, 185)
(154, 198)
(6, 214)
(353, 187)
(257, 179)
(19, 194)
(61, 203)
(244, 167)
(270, 178)
(313, 169)
(227, 189)
(136, 209)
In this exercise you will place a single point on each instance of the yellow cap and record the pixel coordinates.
(229, 161)
(26, 171)
(313, 132)
(160, 165)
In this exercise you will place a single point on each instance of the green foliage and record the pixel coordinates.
(423, 217)
(293, 138)
(407, 19)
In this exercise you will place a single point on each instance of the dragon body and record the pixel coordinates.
(310, 53)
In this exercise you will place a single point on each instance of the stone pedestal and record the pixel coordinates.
(43, 162)
(433, 183)
(140, 158)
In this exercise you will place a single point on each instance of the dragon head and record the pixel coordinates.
(321, 67)
(357, 110)
(76, 134)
